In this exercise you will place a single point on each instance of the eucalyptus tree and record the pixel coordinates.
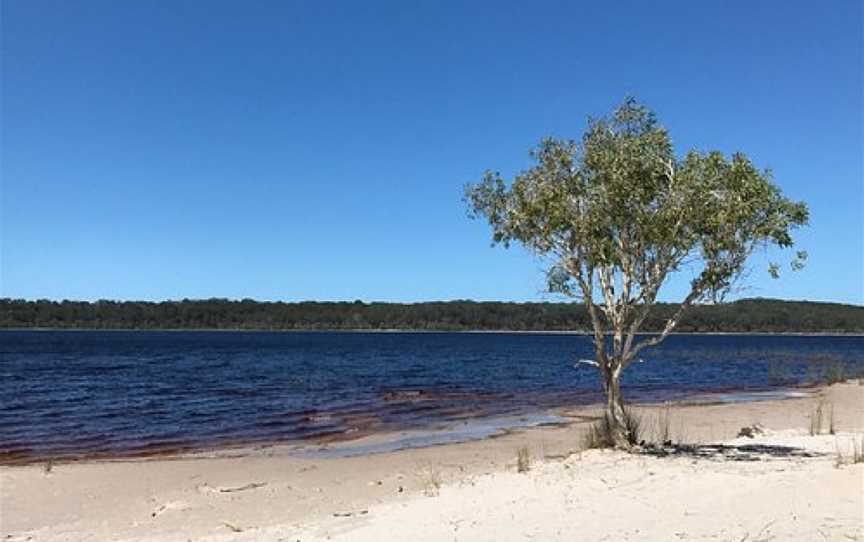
(618, 213)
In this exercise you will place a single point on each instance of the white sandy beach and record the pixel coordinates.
(783, 484)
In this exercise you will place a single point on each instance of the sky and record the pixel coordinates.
(318, 150)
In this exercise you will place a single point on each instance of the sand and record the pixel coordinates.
(783, 484)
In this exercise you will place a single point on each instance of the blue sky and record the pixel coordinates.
(318, 150)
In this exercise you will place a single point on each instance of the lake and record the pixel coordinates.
(71, 394)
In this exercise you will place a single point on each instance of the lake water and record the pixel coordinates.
(91, 393)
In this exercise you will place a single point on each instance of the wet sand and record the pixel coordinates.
(784, 484)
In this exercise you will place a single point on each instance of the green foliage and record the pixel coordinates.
(750, 315)
(621, 198)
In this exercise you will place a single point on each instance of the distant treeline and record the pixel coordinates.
(750, 315)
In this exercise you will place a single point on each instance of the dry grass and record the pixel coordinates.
(816, 418)
(823, 413)
(600, 433)
(827, 369)
(835, 372)
(523, 459)
(857, 454)
(430, 481)
(664, 423)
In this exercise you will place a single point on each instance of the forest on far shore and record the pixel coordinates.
(747, 315)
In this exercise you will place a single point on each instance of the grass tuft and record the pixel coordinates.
(816, 418)
(523, 459)
(835, 373)
(856, 457)
(430, 480)
(600, 433)
(664, 423)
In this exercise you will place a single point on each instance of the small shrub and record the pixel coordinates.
(831, 428)
(48, 467)
(523, 459)
(599, 434)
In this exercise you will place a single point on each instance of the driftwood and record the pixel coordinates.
(232, 527)
(253, 485)
(349, 514)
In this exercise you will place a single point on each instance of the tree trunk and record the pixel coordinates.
(620, 431)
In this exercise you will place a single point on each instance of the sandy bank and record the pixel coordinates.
(781, 485)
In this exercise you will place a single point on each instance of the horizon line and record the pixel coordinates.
(5, 299)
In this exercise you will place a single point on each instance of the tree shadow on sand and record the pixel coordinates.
(729, 452)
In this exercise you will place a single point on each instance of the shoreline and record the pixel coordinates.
(475, 488)
(468, 429)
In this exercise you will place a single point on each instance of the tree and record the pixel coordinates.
(618, 213)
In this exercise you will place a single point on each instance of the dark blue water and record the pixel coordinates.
(90, 393)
